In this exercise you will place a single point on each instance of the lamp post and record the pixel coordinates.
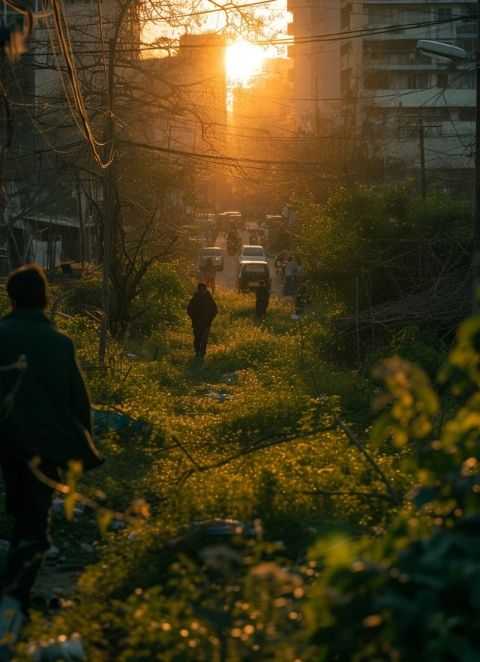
(456, 54)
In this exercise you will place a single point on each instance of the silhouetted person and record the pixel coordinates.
(291, 271)
(262, 298)
(202, 310)
(208, 274)
(45, 414)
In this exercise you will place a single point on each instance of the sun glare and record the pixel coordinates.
(243, 62)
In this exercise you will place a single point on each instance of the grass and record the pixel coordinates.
(263, 371)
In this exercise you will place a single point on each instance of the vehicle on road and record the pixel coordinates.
(233, 241)
(214, 253)
(250, 273)
(253, 252)
(227, 219)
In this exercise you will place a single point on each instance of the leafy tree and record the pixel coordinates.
(379, 244)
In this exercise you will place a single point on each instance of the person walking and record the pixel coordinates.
(45, 415)
(262, 298)
(202, 310)
(208, 274)
(291, 270)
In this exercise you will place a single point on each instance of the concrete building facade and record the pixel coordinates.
(411, 110)
(315, 62)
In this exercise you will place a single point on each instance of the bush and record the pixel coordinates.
(413, 593)
(415, 345)
(161, 301)
(386, 240)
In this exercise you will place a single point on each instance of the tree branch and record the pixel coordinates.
(376, 467)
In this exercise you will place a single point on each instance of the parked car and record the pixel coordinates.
(250, 273)
(214, 253)
(252, 252)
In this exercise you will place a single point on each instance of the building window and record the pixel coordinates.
(417, 81)
(466, 115)
(377, 80)
(345, 49)
(466, 27)
(442, 80)
(464, 82)
(345, 79)
(379, 16)
(467, 44)
(345, 17)
(444, 13)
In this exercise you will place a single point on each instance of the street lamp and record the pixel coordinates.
(456, 54)
(440, 50)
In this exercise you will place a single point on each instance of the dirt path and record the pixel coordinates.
(76, 545)
(58, 577)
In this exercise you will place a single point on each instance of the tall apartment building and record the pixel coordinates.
(47, 165)
(420, 109)
(410, 110)
(315, 63)
(191, 85)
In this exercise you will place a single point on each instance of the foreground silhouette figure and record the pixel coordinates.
(44, 414)
(202, 310)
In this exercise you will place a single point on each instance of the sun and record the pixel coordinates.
(243, 61)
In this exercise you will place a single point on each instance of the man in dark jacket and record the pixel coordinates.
(202, 310)
(262, 299)
(44, 414)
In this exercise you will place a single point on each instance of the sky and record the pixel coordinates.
(205, 16)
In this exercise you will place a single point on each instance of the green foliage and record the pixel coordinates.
(353, 576)
(160, 302)
(415, 345)
(86, 292)
(414, 403)
(4, 301)
(414, 592)
(279, 236)
(195, 596)
(386, 240)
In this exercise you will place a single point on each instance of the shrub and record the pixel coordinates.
(386, 241)
(161, 299)
(413, 593)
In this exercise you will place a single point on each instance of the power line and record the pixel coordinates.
(220, 158)
(77, 94)
(332, 36)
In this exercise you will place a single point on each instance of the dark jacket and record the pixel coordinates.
(202, 309)
(262, 295)
(50, 413)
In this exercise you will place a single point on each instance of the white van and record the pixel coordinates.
(251, 252)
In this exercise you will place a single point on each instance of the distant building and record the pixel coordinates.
(48, 215)
(315, 73)
(412, 111)
(264, 107)
(192, 123)
(261, 126)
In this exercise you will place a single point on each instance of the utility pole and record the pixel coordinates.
(108, 206)
(476, 205)
(421, 136)
(420, 129)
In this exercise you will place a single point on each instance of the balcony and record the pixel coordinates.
(408, 98)
(397, 60)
